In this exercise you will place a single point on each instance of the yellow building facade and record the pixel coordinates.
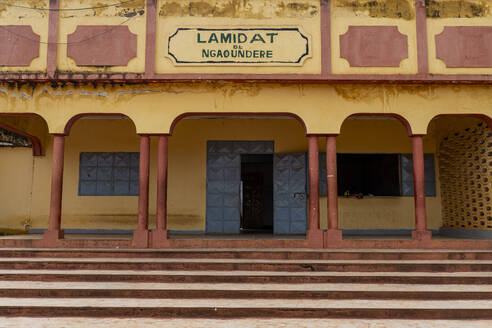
(132, 110)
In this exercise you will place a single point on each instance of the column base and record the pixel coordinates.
(315, 238)
(332, 237)
(51, 237)
(159, 239)
(141, 238)
(422, 235)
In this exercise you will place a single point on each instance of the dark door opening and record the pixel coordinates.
(257, 193)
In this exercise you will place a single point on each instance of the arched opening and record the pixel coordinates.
(464, 150)
(101, 176)
(376, 178)
(237, 174)
(23, 143)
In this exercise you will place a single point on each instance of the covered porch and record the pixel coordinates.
(122, 180)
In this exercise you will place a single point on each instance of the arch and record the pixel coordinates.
(35, 142)
(483, 117)
(37, 148)
(400, 118)
(71, 122)
(239, 115)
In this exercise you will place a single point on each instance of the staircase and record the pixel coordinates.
(249, 283)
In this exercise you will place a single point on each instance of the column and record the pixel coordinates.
(141, 234)
(420, 232)
(314, 233)
(54, 232)
(160, 235)
(333, 235)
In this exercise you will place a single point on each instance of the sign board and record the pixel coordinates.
(239, 46)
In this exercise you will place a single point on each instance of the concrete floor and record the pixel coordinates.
(236, 323)
(249, 236)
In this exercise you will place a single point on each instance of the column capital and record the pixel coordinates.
(154, 134)
(321, 135)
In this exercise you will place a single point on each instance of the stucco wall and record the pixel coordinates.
(16, 172)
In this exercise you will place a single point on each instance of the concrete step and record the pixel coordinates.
(28, 289)
(247, 265)
(242, 287)
(246, 308)
(281, 254)
(242, 277)
(246, 284)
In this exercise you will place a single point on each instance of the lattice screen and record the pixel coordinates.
(465, 165)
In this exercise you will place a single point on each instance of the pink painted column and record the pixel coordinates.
(314, 234)
(160, 235)
(420, 232)
(333, 235)
(54, 232)
(141, 234)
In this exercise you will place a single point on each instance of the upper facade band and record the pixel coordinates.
(307, 40)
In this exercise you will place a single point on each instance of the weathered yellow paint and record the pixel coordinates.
(187, 173)
(238, 13)
(38, 19)
(255, 9)
(323, 108)
(305, 14)
(16, 167)
(114, 15)
(458, 8)
(373, 13)
(401, 9)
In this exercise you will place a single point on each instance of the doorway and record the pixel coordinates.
(275, 189)
(257, 193)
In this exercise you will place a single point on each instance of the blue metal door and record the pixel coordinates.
(223, 182)
(289, 188)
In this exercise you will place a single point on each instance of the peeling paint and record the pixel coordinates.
(229, 90)
(6, 8)
(403, 9)
(359, 93)
(458, 8)
(25, 95)
(128, 9)
(137, 91)
(424, 91)
(97, 93)
(253, 9)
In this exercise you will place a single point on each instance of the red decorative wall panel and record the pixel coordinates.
(19, 45)
(465, 46)
(102, 45)
(373, 46)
